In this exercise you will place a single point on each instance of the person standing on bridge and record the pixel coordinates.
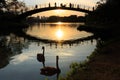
(55, 4)
(36, 6)
(61, 5)
(78, 6)
(93, 8)
(70, 5)
(49, 4)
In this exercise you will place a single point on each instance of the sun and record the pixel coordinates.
(59, 33)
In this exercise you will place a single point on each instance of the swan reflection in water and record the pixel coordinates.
(48, 70)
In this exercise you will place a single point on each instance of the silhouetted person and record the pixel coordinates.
(55, 4)
(78, 6)
(70, 5)
(93, 8)
(36, 6)
(49, 4)
(61, 5)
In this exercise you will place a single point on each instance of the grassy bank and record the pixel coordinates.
(102, 64)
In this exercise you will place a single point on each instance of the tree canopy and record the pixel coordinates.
(107, 12)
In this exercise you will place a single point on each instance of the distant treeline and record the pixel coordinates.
(71, 18)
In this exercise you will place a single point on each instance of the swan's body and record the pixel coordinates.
(40, 56)
(48, 71)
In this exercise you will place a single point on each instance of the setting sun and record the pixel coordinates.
(59, 34)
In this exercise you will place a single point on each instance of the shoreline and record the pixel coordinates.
(103, 63)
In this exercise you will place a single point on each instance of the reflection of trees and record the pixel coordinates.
(16, 44)
(4, 57)
(10, 46)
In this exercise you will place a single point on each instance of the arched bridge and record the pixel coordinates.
(73, 7)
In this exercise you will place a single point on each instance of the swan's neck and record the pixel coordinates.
(57, 66)
(43, 51)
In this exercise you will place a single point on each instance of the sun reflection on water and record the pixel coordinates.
(59, 34)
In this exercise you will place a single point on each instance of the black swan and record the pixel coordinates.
(49, 71)
(40, 56)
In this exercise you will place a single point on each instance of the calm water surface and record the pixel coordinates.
(23, 65)
(57, 31)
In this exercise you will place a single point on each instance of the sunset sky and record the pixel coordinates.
(60, 12)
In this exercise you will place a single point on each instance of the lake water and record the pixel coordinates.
(23, 63)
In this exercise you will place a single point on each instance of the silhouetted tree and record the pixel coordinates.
(15, 6)
(12, 5)
(2, 3)
(9, 48)
(107, 12)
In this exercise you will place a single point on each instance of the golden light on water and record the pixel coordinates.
(59, 34)
(57, 31)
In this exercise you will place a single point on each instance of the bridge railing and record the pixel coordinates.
(67, 5)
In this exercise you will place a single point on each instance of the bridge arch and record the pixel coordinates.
(37, 10)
